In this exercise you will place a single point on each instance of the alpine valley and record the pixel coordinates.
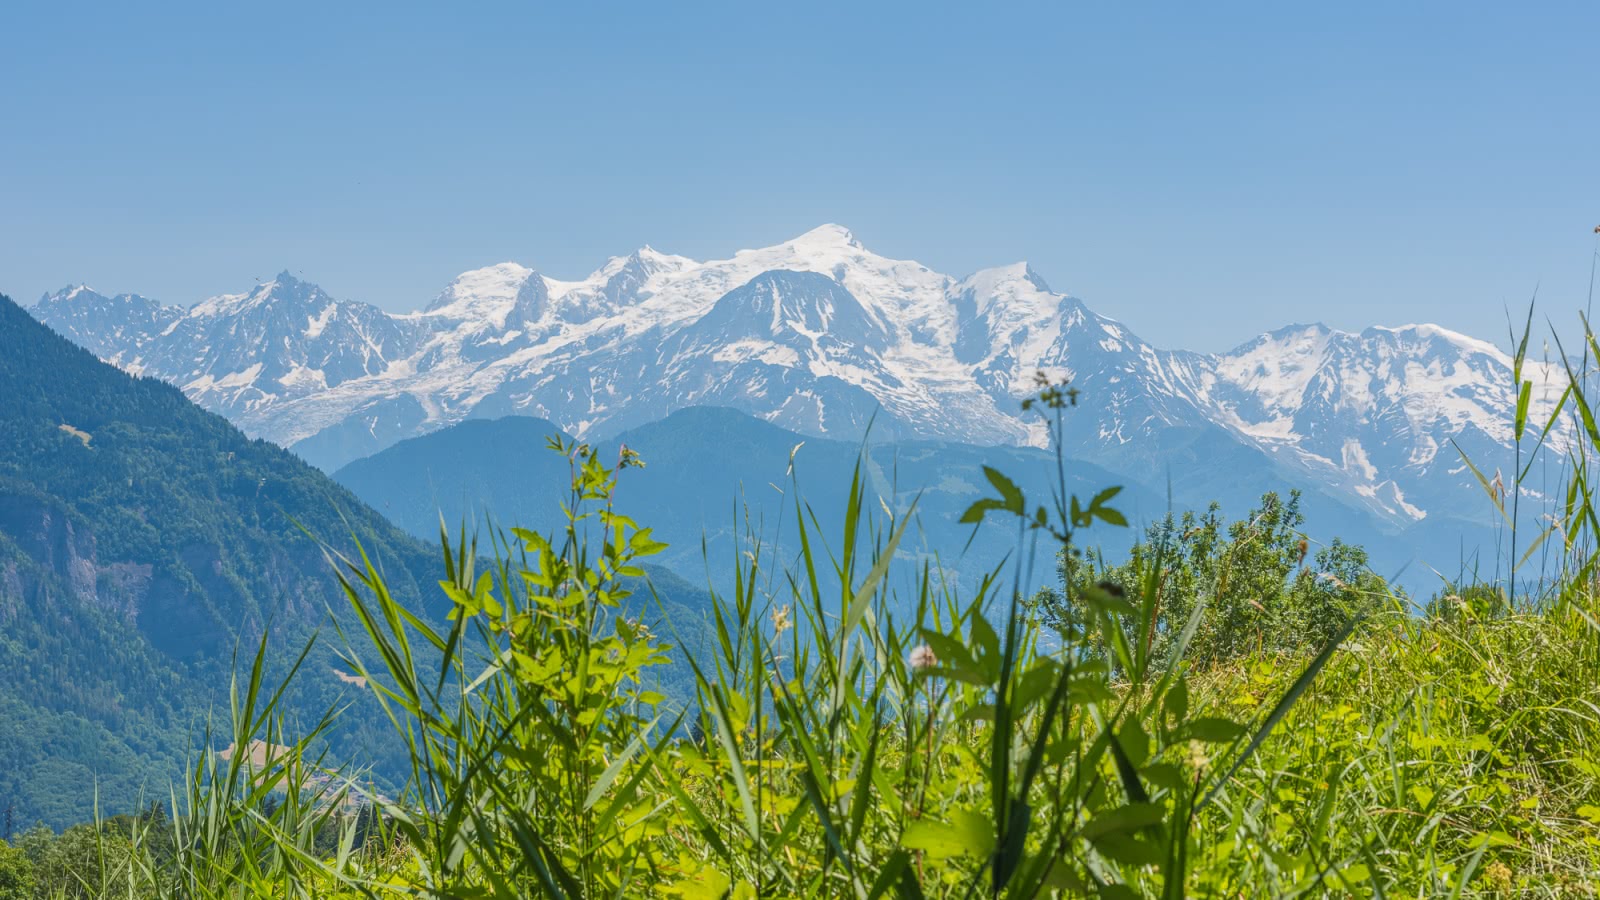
(824, 338)
(147, 549)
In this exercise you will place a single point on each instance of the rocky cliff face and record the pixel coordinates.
(43, 533)
(54, 562)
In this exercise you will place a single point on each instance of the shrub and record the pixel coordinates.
(1263, 589)
(16, 874)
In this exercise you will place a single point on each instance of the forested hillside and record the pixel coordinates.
(144, 540)
(141, 540)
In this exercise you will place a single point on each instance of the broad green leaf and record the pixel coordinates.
(1123, 818)
(1010, 495)
(1211, 730)
(967, 833)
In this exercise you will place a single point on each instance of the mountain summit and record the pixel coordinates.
(821, 335)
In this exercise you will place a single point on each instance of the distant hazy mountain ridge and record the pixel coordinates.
(819, 335)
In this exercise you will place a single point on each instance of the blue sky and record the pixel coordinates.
(1201, 171)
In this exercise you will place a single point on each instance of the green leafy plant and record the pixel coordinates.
(1264, 588)
(1225, 713)
(840, 742)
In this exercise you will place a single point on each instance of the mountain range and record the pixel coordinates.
(142, 539)
(143, 543)
(821, 336)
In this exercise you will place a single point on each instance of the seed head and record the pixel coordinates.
(1498, 873)
(922, 658)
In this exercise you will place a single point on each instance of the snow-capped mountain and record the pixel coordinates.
(1375, 413)
(237, 354)
(115, 329)
(820, 335)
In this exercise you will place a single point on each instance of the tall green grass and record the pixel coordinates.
(840, 743)
(847, 739)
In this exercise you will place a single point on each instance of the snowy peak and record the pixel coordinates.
(1019, 277)
(83, 296)
(821, 335)
(1434, 339)
(827, 237)
(1277, 367)
(647, 261)
(1012, 326)
(282, 290)
(1286, 369)
(285, 289)
(113, 328)
(68, 294)
(622, 282)
(1008, 310)
(235, 352)
(789, 305)
(1379, 413)
(485, 294)
(630, 274)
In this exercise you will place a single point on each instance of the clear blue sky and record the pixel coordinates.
(1202, 171)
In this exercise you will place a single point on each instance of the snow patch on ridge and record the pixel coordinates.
(316, 324)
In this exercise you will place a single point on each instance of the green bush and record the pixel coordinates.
(16, 874)
(1265, 591)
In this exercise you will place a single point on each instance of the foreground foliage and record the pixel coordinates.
(1213, 718)
(1264, 587)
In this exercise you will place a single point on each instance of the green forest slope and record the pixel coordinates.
(141, 540)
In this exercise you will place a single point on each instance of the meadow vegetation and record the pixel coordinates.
(1228, 712)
